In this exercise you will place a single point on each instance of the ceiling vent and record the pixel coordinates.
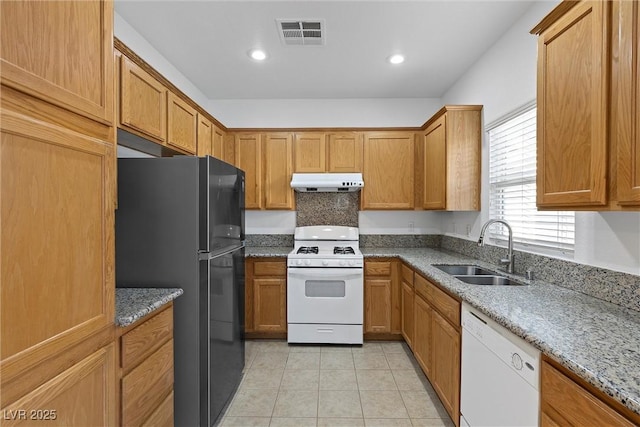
(308, 32)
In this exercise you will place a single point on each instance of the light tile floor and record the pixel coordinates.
(376, 384)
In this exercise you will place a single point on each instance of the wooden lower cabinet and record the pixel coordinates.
(382, 299)
(564, 402)
(436, 341)
(146, 363)
(266, 297)
(408, 293)
(82, 395)
(445, 371)
(422, 338)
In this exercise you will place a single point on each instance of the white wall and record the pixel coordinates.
(130, 37)
(502, 80)
(307, 113)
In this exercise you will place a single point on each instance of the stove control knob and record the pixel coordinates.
(352, 262)
(307, 261)
(299, 262)
(325, 262)
(343, 262)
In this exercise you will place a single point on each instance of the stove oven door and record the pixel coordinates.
(325, 295)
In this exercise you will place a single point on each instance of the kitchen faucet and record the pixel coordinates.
(509, 261)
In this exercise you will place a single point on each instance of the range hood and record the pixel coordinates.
(327, 182)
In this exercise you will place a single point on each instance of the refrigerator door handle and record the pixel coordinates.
(203, 256)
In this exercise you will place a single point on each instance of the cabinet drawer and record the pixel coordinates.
(424, 288)
(144, 387)
(270, 268)
(407, 274)
(377, 268)
(163, 415)
(445, 304)
(574, 403)
(143, 340)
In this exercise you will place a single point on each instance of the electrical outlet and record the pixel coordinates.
(468, 230)
(411, 227)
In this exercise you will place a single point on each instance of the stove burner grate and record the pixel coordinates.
(343, 250)
(307, 250)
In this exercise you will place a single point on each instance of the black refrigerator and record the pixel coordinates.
(180, 223)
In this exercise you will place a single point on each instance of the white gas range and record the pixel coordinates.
(325, 280)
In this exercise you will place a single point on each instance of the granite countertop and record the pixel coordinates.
(132, 304)
(597, 340)
(267, 251)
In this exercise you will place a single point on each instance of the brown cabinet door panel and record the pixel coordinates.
(388, 171)
(407, 313)
(344, 152)
(309, 150)
(205, 136)
(248, 157)
(57, 192)
(435, 165)
(83, 395)
(60, 52)
(278, 151)
(573, 83)
(446, 365)
(377, 305)
(270, 305)
(143, 102)
(182, 124)
(422, 338)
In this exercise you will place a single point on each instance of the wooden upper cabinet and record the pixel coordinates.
(344, 152)
(626, 100)
(388, 170)
(218, 144)
(573, 98)
(452, 159)
(182, 124)
(278, 151)
(309, 150)
(248, 157)
(435, 166)
(143, 102)
(205, 136)
(60, 52)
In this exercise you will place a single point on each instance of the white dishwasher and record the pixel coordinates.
(500, 374)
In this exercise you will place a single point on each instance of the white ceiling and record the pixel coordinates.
(208, 42)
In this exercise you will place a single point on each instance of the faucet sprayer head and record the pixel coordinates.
(481, 241)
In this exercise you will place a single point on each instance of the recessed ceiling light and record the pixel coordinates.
(257, 54)
(396, 59)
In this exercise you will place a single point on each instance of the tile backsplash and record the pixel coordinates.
(327, 209)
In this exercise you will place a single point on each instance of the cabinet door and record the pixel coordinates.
(435, 166)
(407, 313)
(82, 395)
(388, 171)
(143, 102)
(57, 222)
(205, 136)
(309, 150)
(446, 364)
(377, 305)
(344, 152)
(567, 403)
(60, 52)
(217, 147)
(277, 159)
(626, 100)
(270, 304)
(248, 157)
(423, 315)
(573, 82)
(182, 126)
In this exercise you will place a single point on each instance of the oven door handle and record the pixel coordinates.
(325, 273)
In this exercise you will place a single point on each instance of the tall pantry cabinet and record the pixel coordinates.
(57, 199)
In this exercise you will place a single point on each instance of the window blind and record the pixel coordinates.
(512, 188)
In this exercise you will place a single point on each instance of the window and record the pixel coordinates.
(512, 188)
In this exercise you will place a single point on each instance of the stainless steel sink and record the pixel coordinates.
(489, 280)
(465, 270)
